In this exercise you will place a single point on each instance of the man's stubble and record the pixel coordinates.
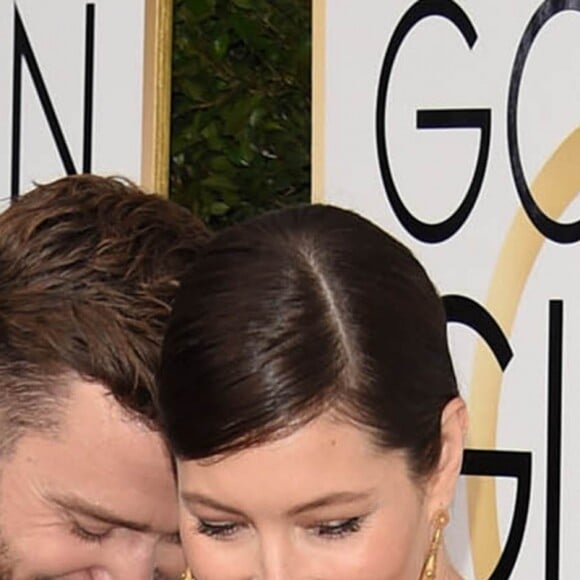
(6, 562)
(6, 568)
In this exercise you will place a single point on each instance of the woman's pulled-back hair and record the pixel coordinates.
(300, 312)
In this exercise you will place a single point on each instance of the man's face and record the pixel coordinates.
(94, 501)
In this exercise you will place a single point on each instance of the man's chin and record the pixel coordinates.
(6, 562)
(6, 570)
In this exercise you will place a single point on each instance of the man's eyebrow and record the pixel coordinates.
(331, 499)
(74, 504)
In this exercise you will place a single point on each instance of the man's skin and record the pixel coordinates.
(96, 501)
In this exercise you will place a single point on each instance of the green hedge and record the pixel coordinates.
(241, 106)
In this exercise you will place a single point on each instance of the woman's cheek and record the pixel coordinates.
(211, 559)
(388, 548)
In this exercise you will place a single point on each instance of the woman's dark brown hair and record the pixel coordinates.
(301, 312)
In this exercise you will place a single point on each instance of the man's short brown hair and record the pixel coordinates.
(88, 269)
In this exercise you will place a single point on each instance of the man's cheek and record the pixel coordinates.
(170, 562)
(52, 555)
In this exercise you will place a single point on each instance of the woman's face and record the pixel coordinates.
(320, 504)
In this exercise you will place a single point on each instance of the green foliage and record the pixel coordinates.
(241, 106)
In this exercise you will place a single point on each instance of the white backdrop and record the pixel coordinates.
(89, 60)
(515, 66)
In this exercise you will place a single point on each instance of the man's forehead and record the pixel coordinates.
(108, 439)
(103, 463)
(91, 407)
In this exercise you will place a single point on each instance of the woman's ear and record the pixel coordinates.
(442, 482)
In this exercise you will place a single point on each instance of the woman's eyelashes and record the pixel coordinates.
(218, 530)
(338, 528)
(332, 529)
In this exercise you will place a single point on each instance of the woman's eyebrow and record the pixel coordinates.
(199, 499)
(331, 499)
(335, 498)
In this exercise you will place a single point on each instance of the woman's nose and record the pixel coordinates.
(277, 560)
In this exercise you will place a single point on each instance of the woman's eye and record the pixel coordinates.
(215, 530)
(338, 529)
(88, 535)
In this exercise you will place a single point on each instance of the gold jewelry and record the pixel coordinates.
(430, 566)
(187, 575)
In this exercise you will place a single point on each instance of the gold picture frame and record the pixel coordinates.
(318, 100)
(157, 96)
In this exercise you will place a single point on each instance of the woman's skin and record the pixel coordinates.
(323, 503)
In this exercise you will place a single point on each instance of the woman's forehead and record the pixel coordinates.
(318, 455)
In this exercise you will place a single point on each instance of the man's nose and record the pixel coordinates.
(137, 564)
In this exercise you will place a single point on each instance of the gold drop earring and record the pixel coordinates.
(430, 566)
(187, 575)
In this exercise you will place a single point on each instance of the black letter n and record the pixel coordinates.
(23, 51)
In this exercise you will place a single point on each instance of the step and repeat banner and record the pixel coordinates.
(84, 87)
(455, 126)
